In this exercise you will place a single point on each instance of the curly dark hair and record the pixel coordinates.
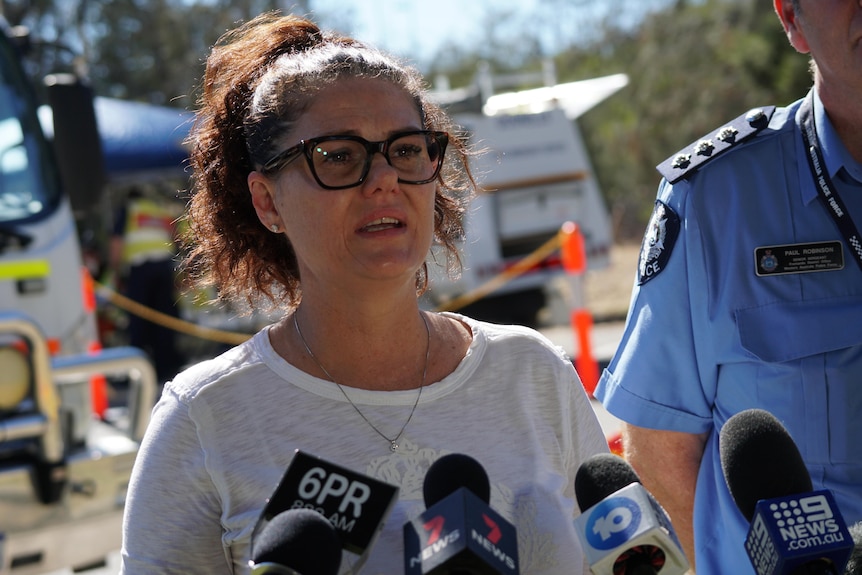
(259, 79)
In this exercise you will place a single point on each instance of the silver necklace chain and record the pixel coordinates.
(393, 441)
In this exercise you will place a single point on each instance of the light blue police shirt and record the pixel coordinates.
(707, 337)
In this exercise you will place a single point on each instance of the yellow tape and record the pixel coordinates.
(499, 280)
(170, 322)
(26, 269)
(234, 338)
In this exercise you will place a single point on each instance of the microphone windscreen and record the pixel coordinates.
(301, 539)
(601, 475)
(854, 565)
(450, 473)
(760, 460)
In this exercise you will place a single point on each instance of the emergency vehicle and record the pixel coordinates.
(535, 174)
(65, 458)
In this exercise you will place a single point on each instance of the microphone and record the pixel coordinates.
(296, 542)
(854, 565)
(793, 529)
(356, 505)
(459, 533)
(622, 529)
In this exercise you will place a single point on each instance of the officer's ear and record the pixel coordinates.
(789, 17)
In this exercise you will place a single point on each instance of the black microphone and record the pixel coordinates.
(854, 565)
(296, 542)
(793, 529)
(356, 505)
(622, 528)
(459, 533)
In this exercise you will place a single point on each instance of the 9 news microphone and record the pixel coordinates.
(854, 566)
(623, 530)
(459, 534)
(296, 542)
(793, 530)
(356, 505)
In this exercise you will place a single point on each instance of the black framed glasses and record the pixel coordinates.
(339, 162)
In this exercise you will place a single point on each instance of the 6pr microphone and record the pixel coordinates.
(296, 542)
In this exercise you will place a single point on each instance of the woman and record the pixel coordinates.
(320, 182)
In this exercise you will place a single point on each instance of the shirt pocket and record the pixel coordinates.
(809, 372)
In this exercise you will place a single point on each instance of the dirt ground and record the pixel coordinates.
(607, 291)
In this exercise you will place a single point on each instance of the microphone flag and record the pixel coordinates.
(460, 526)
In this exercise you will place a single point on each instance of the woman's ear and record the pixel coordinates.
(262, 190)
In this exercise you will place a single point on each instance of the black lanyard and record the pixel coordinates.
(826, 190)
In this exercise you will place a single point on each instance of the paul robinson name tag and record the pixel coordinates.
(799, 258)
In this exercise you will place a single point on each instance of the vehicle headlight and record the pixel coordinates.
(14, 378)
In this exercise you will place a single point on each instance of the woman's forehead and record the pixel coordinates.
(356, 104)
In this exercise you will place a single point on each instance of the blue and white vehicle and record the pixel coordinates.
(536, 175)
(64, 469)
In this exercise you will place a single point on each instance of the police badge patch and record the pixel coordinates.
(660, 236)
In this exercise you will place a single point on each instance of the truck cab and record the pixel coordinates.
(65, 459)
(41, 270)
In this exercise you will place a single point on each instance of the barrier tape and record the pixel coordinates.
(495, 282)
(235, 338)
(169, 321)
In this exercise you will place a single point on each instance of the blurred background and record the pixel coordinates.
(691, 64)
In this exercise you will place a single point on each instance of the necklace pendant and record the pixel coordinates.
(393, 447)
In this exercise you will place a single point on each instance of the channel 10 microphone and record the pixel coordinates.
(459, 533)
(356, 505)
(793, 529)
(296, 542)
(622, 529)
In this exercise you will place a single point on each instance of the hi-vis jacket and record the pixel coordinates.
(149, 232)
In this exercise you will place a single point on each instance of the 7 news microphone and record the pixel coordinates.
(793, 529)
(459, 533)
(353, 504)
(622, 528)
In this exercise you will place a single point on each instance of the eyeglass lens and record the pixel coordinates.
(416, 158)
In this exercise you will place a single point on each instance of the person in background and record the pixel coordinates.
(142, 261)
(323, 175)
(749, 295)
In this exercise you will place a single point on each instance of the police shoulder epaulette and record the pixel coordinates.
(691, 158)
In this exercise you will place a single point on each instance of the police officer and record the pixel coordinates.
(142, 253)
(749, 295)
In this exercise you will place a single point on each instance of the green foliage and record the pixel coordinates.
(691, 68)
(692, 65)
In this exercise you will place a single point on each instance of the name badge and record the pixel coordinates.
(799, 258)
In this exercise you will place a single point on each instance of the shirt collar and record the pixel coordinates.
(835, 153)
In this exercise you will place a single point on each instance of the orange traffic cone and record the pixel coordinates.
(574, 256)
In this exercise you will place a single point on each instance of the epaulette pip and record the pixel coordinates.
(689, 159)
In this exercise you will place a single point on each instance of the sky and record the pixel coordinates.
(416, 29)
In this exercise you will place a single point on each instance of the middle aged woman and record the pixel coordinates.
(323, 175)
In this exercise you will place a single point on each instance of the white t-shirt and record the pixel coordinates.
(225, 430)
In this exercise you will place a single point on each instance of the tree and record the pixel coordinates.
(691, 68)
(692, 64)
